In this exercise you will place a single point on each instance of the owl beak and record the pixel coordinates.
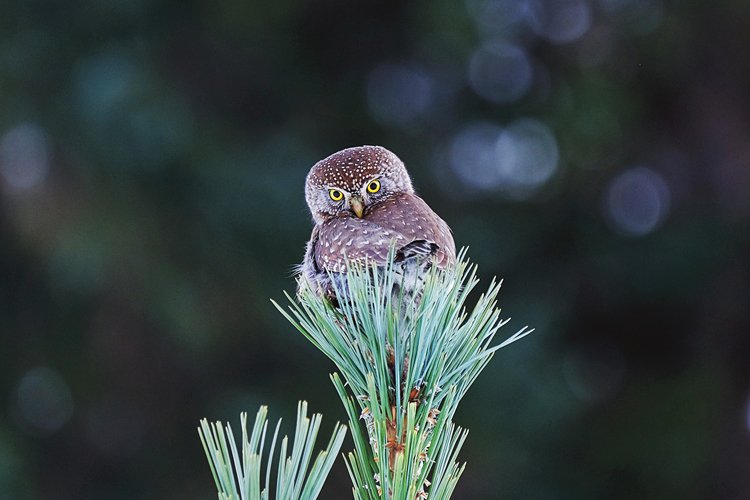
(357, 206)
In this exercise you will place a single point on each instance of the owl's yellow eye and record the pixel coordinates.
(335, 194)
(373, 186)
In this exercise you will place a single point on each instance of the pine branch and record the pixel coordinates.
(237, 473)
(407, 361)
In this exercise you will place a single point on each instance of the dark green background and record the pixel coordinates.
(152, 161)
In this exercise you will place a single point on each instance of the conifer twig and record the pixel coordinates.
(405, 364)
(237, 472)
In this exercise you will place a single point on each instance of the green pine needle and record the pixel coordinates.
(237, 472)
(406, 364)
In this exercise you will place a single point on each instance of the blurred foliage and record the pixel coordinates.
(594, 153)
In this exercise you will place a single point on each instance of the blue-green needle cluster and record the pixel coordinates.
(237, 471)
(404, 363)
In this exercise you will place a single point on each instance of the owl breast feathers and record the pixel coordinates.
(363, 203)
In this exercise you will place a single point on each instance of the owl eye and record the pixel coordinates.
(335, 194)
(373, 186)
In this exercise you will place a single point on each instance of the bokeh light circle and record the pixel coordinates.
(500, 16)
(515, 160)
(562, 21)
(398, 93)
(24, 157)
(500, 72)
(529, 153)
(473, 156)
(44, 400)
(637, 201)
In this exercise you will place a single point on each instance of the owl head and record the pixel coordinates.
(350, 181)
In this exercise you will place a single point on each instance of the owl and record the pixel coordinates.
(363, 204)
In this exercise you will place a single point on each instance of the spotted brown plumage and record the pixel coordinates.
(362, 202)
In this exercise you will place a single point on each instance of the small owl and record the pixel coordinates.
(363, 203)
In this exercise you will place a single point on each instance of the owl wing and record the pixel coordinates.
(420, 227)
(346, 238)
(404, 219)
